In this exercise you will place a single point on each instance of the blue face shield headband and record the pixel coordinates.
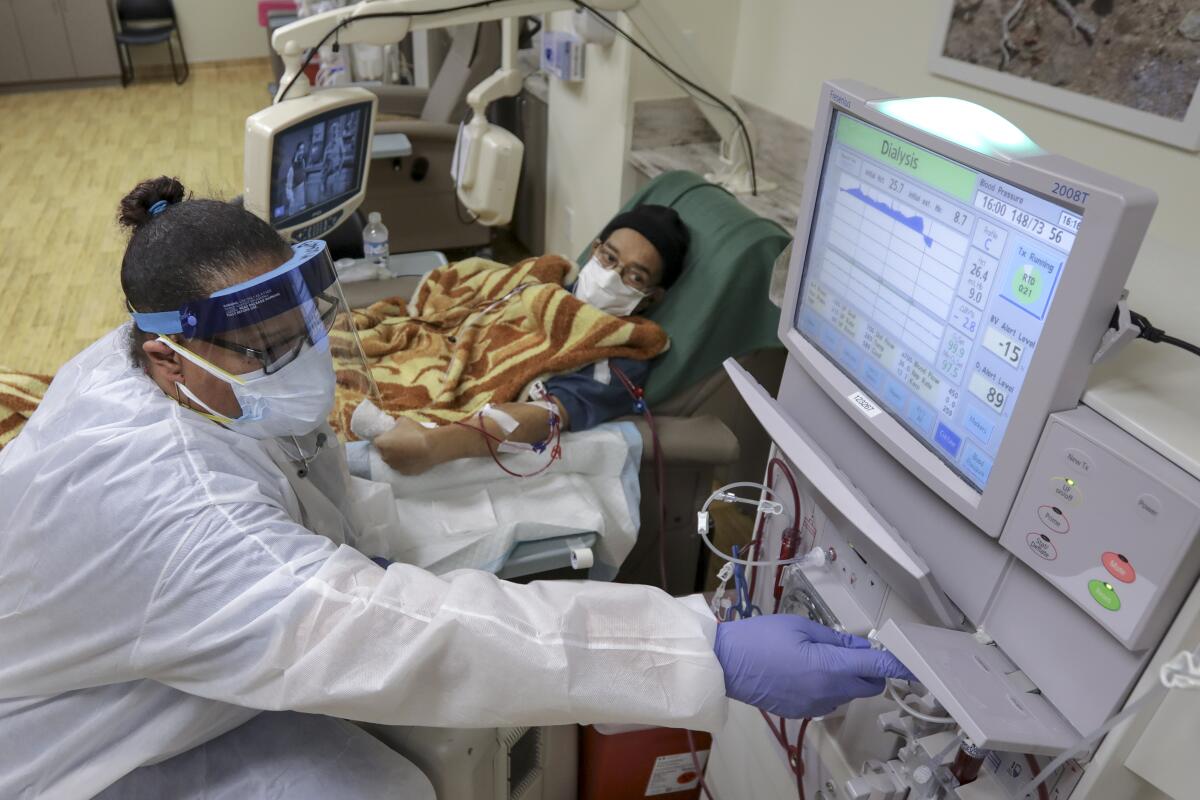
(268, 318)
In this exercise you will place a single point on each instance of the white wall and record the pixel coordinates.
(785, 48)
(590, 122)
(588, 135)
(213, 30)
(707, 30)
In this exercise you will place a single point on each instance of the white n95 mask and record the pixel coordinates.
(604, 289)
(291, 402)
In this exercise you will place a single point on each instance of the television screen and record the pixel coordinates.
(317, 164)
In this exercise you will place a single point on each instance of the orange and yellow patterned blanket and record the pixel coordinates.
(481, 332)
(20, 393)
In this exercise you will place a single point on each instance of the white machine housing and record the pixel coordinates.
(1026, 641)
(264, 132)
(486, 170)
(1117, 214)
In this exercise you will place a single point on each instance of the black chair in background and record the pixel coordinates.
(154, 22)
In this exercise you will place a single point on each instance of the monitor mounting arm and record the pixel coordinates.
(371, 23)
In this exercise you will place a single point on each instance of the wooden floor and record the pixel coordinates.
(66, 159)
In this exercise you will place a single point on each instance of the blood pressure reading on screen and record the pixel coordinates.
(928, 284)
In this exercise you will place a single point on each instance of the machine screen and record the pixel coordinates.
(928, 283)
(317, 164)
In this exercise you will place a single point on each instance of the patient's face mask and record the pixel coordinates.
(604, 289)
(292, 401)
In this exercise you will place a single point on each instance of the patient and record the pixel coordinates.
(635, 260)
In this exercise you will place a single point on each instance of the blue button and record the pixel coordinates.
(976, 464)
(921, 416)
(978, 424)
(830, 338)
(894, 395)
(873, 375)
(948, 439)
(809, 322)
(851, 357)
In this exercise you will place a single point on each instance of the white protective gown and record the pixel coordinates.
(158, 585)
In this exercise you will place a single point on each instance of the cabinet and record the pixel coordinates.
(56, 40)
(90, 36)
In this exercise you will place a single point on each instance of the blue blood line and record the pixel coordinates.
(916, 223)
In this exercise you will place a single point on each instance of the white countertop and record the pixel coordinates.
(1153, 390)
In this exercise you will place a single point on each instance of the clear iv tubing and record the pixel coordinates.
(1087, 741)
(1160, 689)
(807, 557)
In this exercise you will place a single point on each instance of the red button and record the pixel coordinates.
(1119, 567)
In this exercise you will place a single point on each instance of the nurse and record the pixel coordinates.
(184, 612)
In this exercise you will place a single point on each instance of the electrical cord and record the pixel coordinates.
(1150, 333)
(658, 62)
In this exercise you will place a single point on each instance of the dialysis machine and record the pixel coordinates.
(1029, 556)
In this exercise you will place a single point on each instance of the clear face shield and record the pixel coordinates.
(274, 336)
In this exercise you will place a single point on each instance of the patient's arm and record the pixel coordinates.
(412, 449)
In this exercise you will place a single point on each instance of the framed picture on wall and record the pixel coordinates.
(1129, 64)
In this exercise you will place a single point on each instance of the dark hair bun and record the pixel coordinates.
(135, 206)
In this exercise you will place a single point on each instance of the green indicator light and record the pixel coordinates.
(1070, 482)
(1104, 594)
(964, 123)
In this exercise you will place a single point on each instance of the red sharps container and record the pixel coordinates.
(630, 762)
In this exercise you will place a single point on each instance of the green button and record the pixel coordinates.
(1103, 594)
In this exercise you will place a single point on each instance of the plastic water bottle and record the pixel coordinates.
(375, 240)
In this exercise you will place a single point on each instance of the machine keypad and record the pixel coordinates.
(1105, 595)
(1119, 567)
(1067, 489)
(1078, 460)
(1040, 543)
(1149, 506)
(1118, 526)
(1054, 518)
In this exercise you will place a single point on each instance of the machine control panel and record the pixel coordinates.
(1112, 524)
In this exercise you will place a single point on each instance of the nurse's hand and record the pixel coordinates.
(796, 668)
(406, 448)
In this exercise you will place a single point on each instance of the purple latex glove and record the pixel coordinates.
(795, 668)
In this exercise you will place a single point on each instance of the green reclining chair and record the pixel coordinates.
(718, 309)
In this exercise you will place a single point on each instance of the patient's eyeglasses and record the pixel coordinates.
(634, 276)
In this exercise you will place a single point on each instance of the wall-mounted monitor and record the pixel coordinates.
(306, 160)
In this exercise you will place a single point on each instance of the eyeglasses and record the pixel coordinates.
(275, 357)
(634, 276)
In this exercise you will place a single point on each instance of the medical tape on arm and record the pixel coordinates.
(505, 422)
